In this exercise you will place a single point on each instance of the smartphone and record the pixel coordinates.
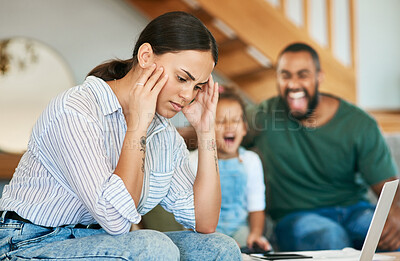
(278, 256)
(255, 250)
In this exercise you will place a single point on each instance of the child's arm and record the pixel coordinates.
(256, 223)
(256, 200)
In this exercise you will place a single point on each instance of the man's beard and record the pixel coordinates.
(312, 104)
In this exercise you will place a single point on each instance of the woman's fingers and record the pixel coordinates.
(160, 84)
(210, 89)
(143, 78)
(215, 95)
(150, 79)
(153, 79)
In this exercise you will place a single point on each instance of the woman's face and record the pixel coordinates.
(188, 73)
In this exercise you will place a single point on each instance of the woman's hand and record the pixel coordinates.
(139, 112)
(201, 112)
(143, 97)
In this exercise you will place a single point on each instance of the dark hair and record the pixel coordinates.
(302, 47)
(170, 32)
(230, 93)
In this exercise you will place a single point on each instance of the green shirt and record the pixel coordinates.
(330, 165)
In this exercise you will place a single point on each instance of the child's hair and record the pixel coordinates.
(228, 92)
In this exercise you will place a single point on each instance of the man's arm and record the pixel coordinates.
(390, 239)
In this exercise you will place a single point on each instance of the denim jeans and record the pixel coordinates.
(324, 228)
(25, 241)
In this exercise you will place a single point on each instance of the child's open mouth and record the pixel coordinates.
(229, 139)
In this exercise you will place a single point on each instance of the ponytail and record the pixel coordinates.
(113, 69)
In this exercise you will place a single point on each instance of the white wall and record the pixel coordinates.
(379, 54)
(85, 33)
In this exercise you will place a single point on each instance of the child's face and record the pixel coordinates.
(230, 128)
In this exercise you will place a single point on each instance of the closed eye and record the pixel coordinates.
(180, 79)
(197, 88)
(303, 75)
(285, 75)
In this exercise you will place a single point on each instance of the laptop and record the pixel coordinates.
(367, 252)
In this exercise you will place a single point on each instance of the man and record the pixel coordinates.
(321, 154)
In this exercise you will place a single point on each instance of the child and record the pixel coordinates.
(242, 180)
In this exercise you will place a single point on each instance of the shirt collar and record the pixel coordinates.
(158, 124)
(106, 98)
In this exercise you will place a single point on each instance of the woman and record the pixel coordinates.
(104, 153)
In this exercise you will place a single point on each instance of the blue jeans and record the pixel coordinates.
(24, 241)
(324, 228)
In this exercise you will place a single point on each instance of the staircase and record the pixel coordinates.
(250, 35)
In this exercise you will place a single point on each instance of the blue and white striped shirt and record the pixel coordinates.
(66, 175)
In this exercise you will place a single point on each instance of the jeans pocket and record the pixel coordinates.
(32, 234)
(7, 232)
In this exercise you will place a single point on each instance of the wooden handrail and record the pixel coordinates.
(306, 19)
(353, 32)
(258, 24)
(330, 24)
(282, 6)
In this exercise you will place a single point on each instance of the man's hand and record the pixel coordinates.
(390, 238)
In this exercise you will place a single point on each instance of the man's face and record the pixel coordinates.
(298, 83)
